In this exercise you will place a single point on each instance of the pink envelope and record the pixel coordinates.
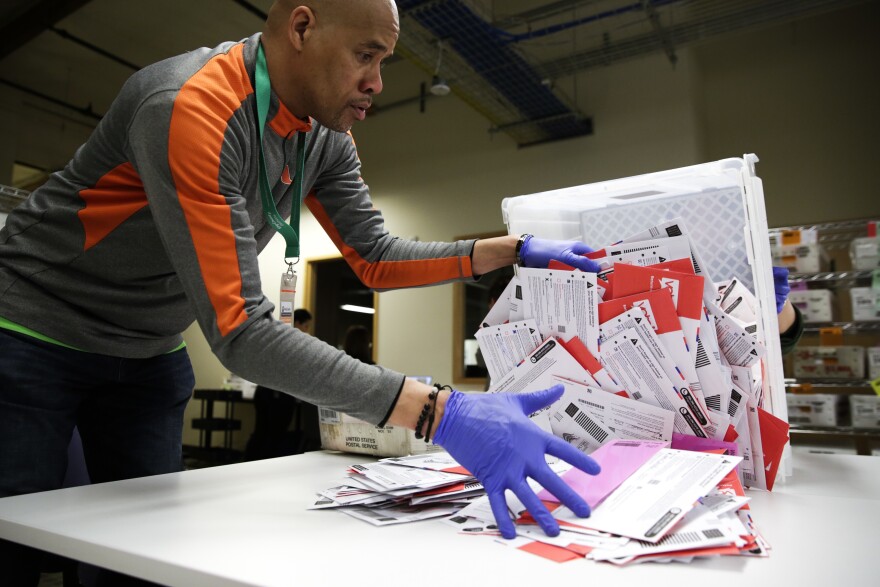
(619, 459)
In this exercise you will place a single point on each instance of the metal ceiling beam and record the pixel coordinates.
(540, 13)
(85, 111)
(668, 46)
(40, 16)
(732, 18)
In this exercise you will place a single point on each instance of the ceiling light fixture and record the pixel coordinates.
(359, 309)
(439, 87)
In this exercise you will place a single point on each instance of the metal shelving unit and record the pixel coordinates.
(835, 239)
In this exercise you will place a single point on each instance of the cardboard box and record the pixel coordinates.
(864, 304)
(865, 411)
(865, 253)
(829, 362)
(813, 409)
(343, 433)
(797, 250)
(816, 305)
(873, 355)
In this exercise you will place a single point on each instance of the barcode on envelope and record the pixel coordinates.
(591, 427)
(702, 357)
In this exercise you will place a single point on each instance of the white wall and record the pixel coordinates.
(804, 97)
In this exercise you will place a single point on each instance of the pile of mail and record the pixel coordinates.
(403, 489)
(649, 503)
(647, 348)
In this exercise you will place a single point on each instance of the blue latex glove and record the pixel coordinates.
(781, 287)
(537, 252)
(492, 437)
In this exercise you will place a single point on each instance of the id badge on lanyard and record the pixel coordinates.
(288, 293)
(288, 231)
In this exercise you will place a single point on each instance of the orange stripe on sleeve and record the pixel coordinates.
(115, 197)
(391, 274)
(198, 124)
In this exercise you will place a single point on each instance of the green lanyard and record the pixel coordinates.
(289, 232)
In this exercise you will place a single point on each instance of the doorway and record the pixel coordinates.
(339, 301)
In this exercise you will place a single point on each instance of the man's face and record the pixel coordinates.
(344, 61)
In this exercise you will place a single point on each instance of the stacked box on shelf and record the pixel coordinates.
(813, 409)
(797, 250)
(865, 253)
(865, 307)
(829, 362)
(816, 305)
(865, 411)
(873, 355)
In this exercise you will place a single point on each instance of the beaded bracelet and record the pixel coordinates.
(428, 412)
(432, 396)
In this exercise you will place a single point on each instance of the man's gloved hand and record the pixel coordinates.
(780, 284)
(492, 437)
(537, 252)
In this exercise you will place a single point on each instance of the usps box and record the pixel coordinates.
(865, 411)
(829, 362)
(813, 409)
(347, 434)
(816, 305)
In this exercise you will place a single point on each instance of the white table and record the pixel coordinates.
(247, 524)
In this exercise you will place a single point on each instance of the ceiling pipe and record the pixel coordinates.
(557, 28)
(86, 111)
(252, 9)
(94, 48)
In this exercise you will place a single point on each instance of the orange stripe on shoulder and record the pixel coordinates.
(391, 274)
(202, 109)
(115, 197)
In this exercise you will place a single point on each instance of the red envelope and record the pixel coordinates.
(548, 551)
(660, 302)
(774, 435)
(559, 265)
(680, 265)
(631, 279)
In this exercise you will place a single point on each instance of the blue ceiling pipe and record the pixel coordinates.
(480, 45)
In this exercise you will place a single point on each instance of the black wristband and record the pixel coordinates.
(518, 251)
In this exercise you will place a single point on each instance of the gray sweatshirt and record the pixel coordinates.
(157, 221)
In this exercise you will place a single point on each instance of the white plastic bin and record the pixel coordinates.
(722, 207)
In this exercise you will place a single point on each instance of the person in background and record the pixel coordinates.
(157, 222)
(274, 412)
(302, 320)
(791, 322)
(359, 344)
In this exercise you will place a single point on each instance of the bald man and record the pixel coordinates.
(157, 221)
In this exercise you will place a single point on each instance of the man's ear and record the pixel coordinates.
(300, 25)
